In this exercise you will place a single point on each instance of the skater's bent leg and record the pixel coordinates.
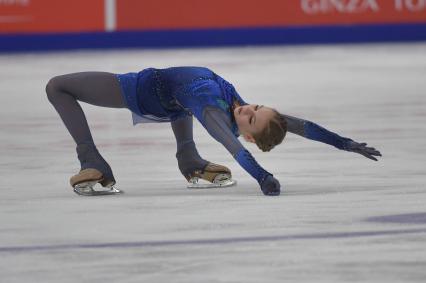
(190, 162)
(187, 155)
(96, 88)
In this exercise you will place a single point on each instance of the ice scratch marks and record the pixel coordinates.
(409, 218)
(220, 241)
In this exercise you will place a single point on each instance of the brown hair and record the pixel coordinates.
(273, 134)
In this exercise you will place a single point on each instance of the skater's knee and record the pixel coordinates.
(53, 88)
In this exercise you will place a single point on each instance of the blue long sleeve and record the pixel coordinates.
(247, 161)
(318, 133)
(315, 132)
(218, 126)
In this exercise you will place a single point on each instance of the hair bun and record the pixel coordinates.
(273, 134)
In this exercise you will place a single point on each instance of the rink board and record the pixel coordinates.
(50, 25)
(215, 37)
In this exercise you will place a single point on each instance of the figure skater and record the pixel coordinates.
(175, 95)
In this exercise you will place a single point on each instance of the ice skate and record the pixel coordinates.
(84, 182)
(213, 176)
(94, 170)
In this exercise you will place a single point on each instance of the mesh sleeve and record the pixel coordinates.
(295, 125)
(218, 125)
(315, 132)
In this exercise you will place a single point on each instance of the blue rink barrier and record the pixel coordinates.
(215, 37)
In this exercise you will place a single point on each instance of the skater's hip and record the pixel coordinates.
(146, 93)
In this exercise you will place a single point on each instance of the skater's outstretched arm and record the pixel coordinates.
(217, 124)
(315, 132)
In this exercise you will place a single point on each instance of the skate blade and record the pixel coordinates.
(86, 189)
(195, 184)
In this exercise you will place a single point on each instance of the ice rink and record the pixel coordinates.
(340, 217)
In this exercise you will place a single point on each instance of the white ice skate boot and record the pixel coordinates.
(216, 176)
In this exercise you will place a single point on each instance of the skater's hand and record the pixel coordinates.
(363, 149)
(270, 186)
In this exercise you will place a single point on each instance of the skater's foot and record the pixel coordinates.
(210, 172)
(84, 182)
(93, 165)
(217, 175)
(94, 169)
(87, 175)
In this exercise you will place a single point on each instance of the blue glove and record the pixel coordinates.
(270, 186)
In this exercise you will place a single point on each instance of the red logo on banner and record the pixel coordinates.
(410, 5)
(359, 6)
(340, 6)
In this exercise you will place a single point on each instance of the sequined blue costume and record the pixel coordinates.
(166, 95)
(174, 94)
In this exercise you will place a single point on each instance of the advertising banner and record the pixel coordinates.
(71, 24)
(192, 14)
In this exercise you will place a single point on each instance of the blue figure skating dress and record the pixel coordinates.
(166, 95)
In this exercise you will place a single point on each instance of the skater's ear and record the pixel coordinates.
(249, 138)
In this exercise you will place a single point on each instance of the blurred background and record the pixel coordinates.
(356, 67)
(51, 24)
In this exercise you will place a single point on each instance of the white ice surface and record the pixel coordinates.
(340, 218)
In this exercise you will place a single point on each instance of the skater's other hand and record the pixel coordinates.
(270, 186)
(363, 149)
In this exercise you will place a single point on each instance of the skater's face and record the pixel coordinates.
(252, 119)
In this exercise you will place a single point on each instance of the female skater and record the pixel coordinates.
(175, 95)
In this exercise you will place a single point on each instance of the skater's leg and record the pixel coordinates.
(97, 88)
(187, 155)
(190, 162)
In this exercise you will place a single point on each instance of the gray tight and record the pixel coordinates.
(96, 88)
(187, 155)
(103, 89)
